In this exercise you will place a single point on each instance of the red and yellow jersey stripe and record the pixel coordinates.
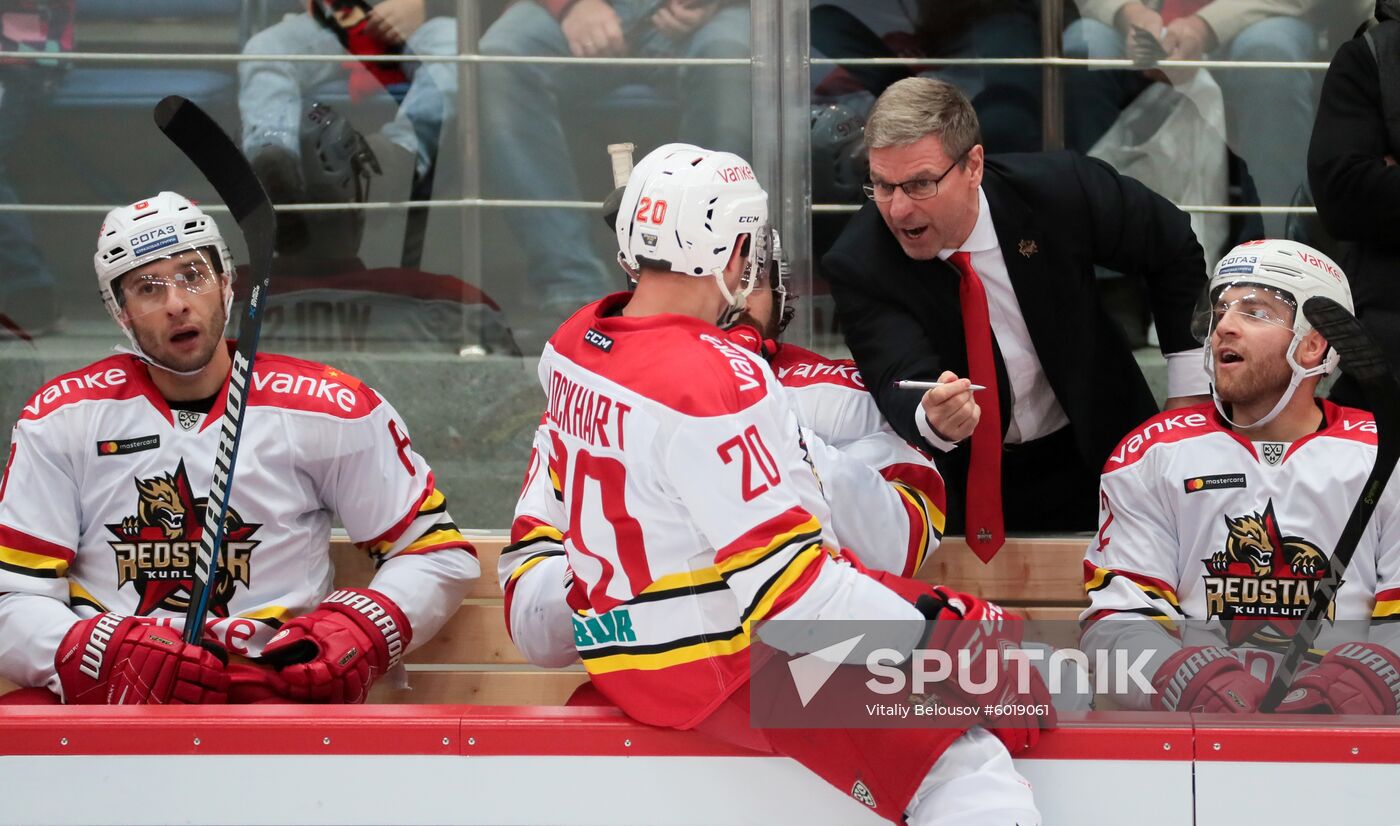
(439, 531)
(1387, 608)
(1157, 591)
(22, 553)
(920, 490)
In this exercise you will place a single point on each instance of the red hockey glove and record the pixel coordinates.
(250, 684)
(1353, 678)
(1016, 706)
(1206, 678)
(112, 659)
(334, 654)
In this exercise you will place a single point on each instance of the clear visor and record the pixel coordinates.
(1247, 302)
(760, 256)
(160, 284)
(780, 273)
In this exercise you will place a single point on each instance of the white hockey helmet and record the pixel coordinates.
(1289, 270)
(158, 227)
(684, 209)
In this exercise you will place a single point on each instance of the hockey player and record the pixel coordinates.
(1224, 516)
(101, 512)
(855, 452)
(690, 512)
(886, 498)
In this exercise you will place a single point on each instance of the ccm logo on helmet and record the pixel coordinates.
(154, 239)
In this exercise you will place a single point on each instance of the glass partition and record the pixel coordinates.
(440, 206)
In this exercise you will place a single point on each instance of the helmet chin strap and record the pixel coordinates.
(1299, 373)
(738, 301)
(135, 348)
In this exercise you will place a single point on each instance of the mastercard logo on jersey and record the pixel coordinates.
(115, 447)
(1218, 482)
(155, 547)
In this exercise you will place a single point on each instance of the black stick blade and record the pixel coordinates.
(1362, 358)
(219, 159)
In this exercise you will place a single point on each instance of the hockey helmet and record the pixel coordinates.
(164, 226)
(685, 208)
(1275, 273)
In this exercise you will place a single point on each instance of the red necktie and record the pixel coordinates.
(985, 532)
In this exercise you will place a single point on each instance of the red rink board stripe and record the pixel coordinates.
(1297, 738)
(604, 732)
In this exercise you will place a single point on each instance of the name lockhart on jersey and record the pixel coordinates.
(585, 413)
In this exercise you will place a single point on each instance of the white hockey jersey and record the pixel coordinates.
(688, 507)
(886, 499)
(1198, 523)
(893, 533)
(101, 508)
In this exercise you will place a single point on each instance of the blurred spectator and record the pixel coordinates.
(270, 93)
(1237, 30)
(1007, 98)
(327, 300)
(981, 267)
(524, 149)
(1354, 180)
(28, 295)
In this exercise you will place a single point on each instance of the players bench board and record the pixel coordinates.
(472, 660)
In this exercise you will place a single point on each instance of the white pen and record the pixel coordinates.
(905, 384)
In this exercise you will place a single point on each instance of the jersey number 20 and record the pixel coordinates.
(626, 550)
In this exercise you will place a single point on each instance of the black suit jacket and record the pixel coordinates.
(1358, 195)
(1056, 216)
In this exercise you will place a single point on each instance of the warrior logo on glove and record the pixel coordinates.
(156, 547)
(1263, 577)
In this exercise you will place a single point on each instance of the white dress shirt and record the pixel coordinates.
(1035, 412)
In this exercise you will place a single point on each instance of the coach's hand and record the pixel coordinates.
(951, 410)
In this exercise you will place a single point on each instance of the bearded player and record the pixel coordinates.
(101, 506)
(1216, 522)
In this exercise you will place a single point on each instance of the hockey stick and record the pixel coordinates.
(1365, 362)
(225, 167)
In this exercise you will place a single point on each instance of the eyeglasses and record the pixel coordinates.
(918, 189)
(1251, 310)
(147, 291)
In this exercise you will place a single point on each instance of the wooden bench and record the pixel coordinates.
(472, 660)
